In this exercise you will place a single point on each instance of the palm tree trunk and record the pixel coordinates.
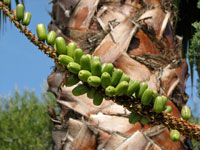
(136, 36)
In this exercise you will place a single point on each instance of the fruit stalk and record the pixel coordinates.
(48, 50)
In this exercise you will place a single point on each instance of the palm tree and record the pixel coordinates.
(136, 36)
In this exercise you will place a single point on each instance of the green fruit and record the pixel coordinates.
(96, 67)
(90, 56)
(107, 67)
(158, 105)
(41, 32)
(78, 53)
(144, 120)
(143, 87)
(175, 135)
(121, 88)
(125, 78)
(155, 94)
(80, 90)
(71, 48)
(72, 80)
(51, 38)
(98, 98)
(164, 100)
(85, 62)
(55, 48)
(116, 76)
(186, 112)
(74, 67)
(91, 92)
(27, 18)
(110, 91)
(96, 58)
(20, 11)
(133, 118)
(94, 81)
(84, 75)
(147, 96)
(132, 87)
(168, 109)
(65, 60)
(105, 80)
(6, 2)
(61, 45)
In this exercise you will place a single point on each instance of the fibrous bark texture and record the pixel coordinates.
(136, 36)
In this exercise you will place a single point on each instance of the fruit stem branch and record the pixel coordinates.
(48, 50)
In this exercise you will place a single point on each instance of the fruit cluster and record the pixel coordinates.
(101, 80)
(24, 17)
(104, 81)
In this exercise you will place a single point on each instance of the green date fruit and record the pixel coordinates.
(186, 112)
(84, 75)
(155, 94)
(80, 90)
(91, 93)
(98, 99)
(74, 67)
(175, 135)
(61, 45)
(121, 88)
(41, 32)
(27, 18)
(133, 118)
(71, 48)
(65, 60)
(20, 11)
(55, 48)
(85, 62)
(105, 80)
(125, 78)
(133, 86)
(96, 58)
(142, 88)
(78, 53)
(168, 109)
(110, 91)
(164, 100)
(147, 96)
(158, 104)
(116, 76)
(51, 38)
(94, 81)
(144, 120)
(72, 80)
(107, 67)
(96, 67)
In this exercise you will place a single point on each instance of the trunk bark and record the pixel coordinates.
(136, 36)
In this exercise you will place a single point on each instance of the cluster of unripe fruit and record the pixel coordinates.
(24, 17)
(113, 82)
(95, 76)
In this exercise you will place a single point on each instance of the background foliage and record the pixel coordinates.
(25, 123)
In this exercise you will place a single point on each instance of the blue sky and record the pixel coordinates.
(22, 65)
